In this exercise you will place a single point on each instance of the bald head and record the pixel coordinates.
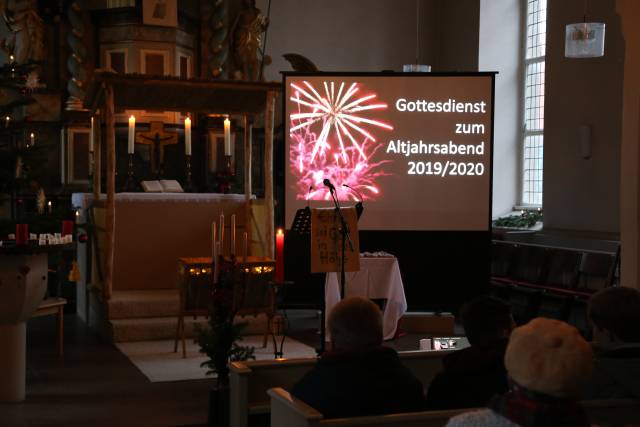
(355, 323)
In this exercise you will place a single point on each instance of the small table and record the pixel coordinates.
(378, 278)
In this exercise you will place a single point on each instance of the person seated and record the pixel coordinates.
(472, 376)
(548, 362)
(614, 314)
(359, 376)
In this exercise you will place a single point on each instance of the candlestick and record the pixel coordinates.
(187, 136)
(77, 216)
(49, 206)
(221, 240)
(216, 261)
(7, 119)
(227, 137)
(245, 247)
(130, 184)
(132, 135)
(213, 241)
(188, 184)
(280, 255)
(232, 240)
(32, 139)
(91, 136)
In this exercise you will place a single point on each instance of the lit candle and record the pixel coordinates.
(221, 240)
(187, 136)
(91, 136)
(132, 134)
(232, 239)
(11, 59)
(280, 255)
(77, 216)
(245, 247)
(32, 138)
(49, 206)
(6, 121)
(227, 137)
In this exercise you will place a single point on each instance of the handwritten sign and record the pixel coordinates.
(326, 240)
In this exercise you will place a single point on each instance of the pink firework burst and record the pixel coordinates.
(339, 110)
(337, 118)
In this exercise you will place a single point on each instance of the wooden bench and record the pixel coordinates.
(51, 306)
(287, 411)
(250, 380)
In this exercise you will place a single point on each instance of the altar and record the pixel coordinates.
(155, 229)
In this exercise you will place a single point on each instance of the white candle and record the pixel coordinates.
(245, 248)
(50, 206)
(11, 59)
(91, 136)
(213, 241)
(221, 240)
(227, 137)
(32, 138)
(6, 121)
(77, 216)
(132, 134)
(232, 239)
(187, 136)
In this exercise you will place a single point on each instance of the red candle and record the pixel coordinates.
(280, 255)
(22, 234)
(67, 227)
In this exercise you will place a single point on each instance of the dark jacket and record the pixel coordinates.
(358, 383)
(616, 373)
(470, 378)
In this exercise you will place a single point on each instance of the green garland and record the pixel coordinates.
(525, 220)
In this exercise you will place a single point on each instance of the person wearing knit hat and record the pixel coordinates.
(548, 363)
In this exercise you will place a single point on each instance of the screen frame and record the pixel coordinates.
(287, 74)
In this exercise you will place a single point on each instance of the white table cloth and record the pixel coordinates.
(379, 277)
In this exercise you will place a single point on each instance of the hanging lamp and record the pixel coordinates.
(584, 39)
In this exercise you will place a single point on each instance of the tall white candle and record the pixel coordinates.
(232, 237)
(221, 240)
(32, 139)
(91, 136)
(132, 134)
(227, 137)
(187, 136)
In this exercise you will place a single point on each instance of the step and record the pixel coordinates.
(144, 304)
(164, 328)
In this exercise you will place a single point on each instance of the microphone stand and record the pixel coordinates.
(344, 231)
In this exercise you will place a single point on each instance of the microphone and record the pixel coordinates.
(355, 191)
(360, 204)
(329, 185)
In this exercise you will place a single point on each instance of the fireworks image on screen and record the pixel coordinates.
(331, 137)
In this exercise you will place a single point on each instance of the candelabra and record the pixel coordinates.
(188, 183)
(225, 177)
(130, 183)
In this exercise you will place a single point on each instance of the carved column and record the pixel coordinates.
(218, 45)
(76, 63)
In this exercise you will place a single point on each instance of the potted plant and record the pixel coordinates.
(219, 340)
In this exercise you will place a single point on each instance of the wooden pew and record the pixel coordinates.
(250, 380)
(287, 411)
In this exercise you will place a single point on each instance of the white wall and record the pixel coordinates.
(582, 194)
(500, 50)
(338, 35)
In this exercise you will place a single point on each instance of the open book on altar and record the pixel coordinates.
(162, 186)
